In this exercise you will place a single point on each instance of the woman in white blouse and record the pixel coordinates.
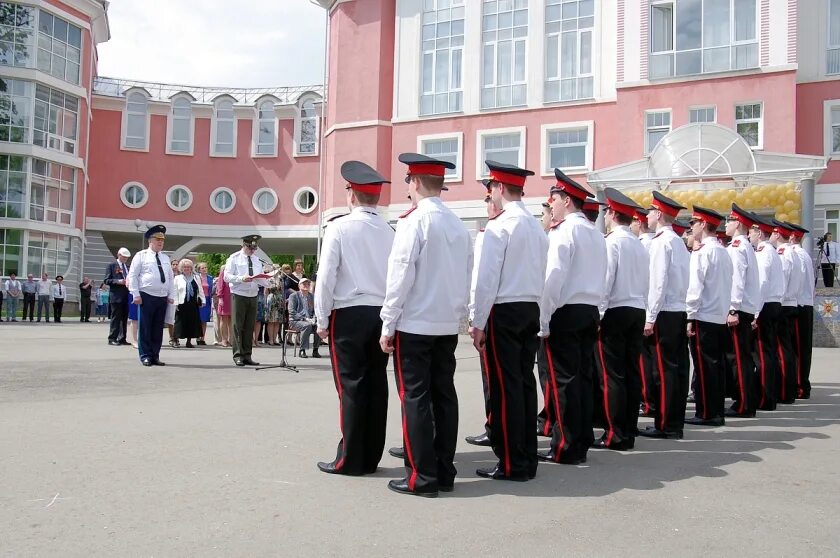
(189, 298)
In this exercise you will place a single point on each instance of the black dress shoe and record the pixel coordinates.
(651, 432)
(601, 443)
(238, 362)
(700, 421)
(250, 362)
(146, 362)
(548, 456)
(158, 363)
(497, 474)
(401, 486)
(113, 343)
(398, 452)
(479, 440)
(302, 354)
(328, 468)
(733, 413)
(316, 354)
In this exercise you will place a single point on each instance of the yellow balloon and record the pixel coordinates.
(788, 205)
(781, 216)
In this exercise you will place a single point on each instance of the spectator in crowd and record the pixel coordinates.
(30, 292)
(189, 298)
(13, 290)
(274, 305)
(206, 310)
(223, 309)
(169, 319)
(102, 301)
(302, 317)
(829, 252)
(59, 293)
(116, 277)
(85, 298)
(298, 272)
(289, 281)
(261, 327)
(44, 292)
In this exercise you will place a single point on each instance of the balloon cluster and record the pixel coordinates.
(782, 199)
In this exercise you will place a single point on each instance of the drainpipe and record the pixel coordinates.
(808, 187)
(322, 139)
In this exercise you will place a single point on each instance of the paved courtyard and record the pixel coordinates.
(103, 457)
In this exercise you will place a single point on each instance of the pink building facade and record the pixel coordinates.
(608, 90)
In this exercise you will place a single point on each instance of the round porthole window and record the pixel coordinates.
(179, 198)
(265, 200)
(306, 199)
(134, 195)
(222, 200)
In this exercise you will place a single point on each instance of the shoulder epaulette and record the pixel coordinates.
(496, 215)
(657, 235)
(334, 217)
(736, 243)
(781, 251)
(407, 213)
(480, 230)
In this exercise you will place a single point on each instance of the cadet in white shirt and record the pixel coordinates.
(794, 273)
(59, 293)
(619, 346)
(482, 439)
(772, 285)
(707, 308)
(351, 288)
(639, 227)
(426, 298)
(665, 321)
(545, 418)
(505, 320)
(744, 304)
(242, 272)
(804, 327)
(152, 288)
(574, 285)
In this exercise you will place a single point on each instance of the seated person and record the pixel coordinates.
(301, 308)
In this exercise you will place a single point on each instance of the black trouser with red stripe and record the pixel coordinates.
(359, 365)
(648, 368)
(617, 353)
(804, 348)
(786, 392)
(668, 344)
(485, 388)
(766, 354)
(741, 365)
(707, 352)
(545, 420)
(570, 352)
(511, 345)
(425, 369)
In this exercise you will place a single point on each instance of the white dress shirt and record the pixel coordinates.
(709, 283)
(830, 253)
(646, 239)
(354, 263)
(794, 274)
(236, 270)
(44, 287)
(770, 274)
(746, 288)
(806, 293)
(576, 269)
(59, 291)
(669, 266)
(428, 272)
(144, 275)
(628, 271)
(181, 289)
(511, 263)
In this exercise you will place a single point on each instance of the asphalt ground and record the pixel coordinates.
(103, 457)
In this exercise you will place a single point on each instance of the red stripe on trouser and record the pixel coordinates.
(742, 408)
(559, 416)
(505, 442)
(610, 431)
(644, 383)
(701, 371)
(483, 356)
(334, 359)
(412, 479)
(762, 364)
(782, 367)
(663, 408)
(798, 353)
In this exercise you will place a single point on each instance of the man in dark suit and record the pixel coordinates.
(116, 278)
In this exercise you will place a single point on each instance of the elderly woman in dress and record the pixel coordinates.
(189, 297)
(206, 314)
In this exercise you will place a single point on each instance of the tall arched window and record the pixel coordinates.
(306, 133)
(136, 121)
(224, 129)
(180, 126)
(265, 139)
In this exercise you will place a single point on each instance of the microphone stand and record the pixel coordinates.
(283, 364)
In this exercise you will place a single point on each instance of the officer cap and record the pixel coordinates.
(764, 225)
(741, 215)
(620, 203)
(665, 204)
(251, 240)
(711, 216)
(680, 226)
(157, 231)
(568, 186)
(363, 178)
(797, 230)
(508, 174)
(419, 164)
(782, 228)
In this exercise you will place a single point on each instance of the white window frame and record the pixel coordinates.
(648, 148)
(257, 122)
(830, 47)
(450, 91)
(219, 190)
(494, 84)
(213, 127)
(63, 141)
(124, 191)
(299, 125)
(257, 194)
(458, 175)
(479, 147)
(174, 207)
(545, 159)
(124, 130)
(297, 194)
(703, 107)
(829, 106)
(170, 125)
(579, 76)
(748, 120)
